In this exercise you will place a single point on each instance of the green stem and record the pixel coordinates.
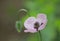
(40, 36)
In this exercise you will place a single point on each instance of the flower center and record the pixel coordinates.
(36, 26)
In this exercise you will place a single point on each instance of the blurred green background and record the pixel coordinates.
(9, 15)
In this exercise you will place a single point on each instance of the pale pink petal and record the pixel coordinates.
(29, 23)
(26, 30)
(41, 16)
(42, 19)
(43, 25)
(30, 30)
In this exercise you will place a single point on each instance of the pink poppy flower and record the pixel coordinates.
(33, 24)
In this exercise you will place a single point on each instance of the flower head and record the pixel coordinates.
(33, 24)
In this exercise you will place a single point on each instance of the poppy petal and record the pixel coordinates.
(29, 23)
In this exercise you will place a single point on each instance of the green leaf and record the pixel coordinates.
(19, 26)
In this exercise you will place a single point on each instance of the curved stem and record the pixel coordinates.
(40, 36)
